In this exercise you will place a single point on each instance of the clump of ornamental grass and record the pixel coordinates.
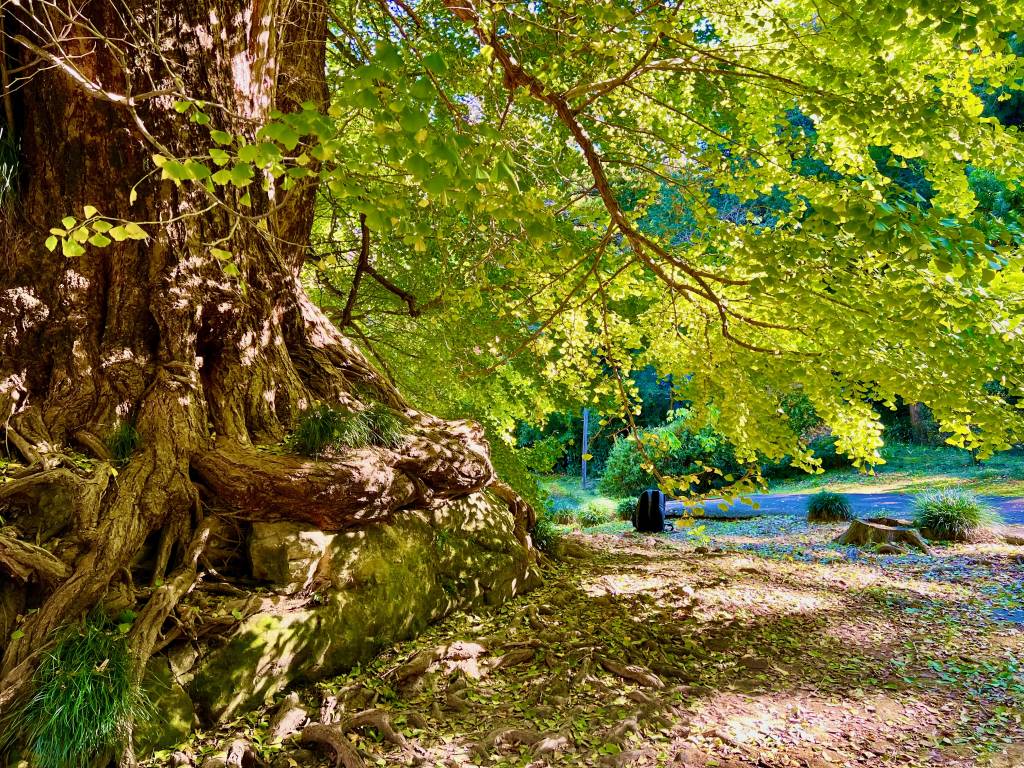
(387, 427)
(316, 429)
(952, 515)
(123, 441)
(545, 535)
(322, 427)
(625, 508)
(828, 507)
(83, 700)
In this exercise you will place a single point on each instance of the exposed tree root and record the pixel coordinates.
(631, 672)
(345, 755)
(23, 560)
(288, 718)
(510, 737)
(514, 658)
(418, 664)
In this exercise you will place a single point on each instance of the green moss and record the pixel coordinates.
(388, 582)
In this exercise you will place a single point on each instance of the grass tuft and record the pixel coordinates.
(545, 535)
(624, 509)
(10, 151)
(315, 430)
(952, 515)
(322, 427)
(123, 441)
(828, 507)
(387, 427)
(84, 700)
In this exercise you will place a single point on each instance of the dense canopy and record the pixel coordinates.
(750, 197)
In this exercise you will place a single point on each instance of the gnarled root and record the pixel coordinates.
(345, 755)
(632, 672)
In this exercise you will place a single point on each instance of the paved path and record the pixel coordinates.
(863, 504)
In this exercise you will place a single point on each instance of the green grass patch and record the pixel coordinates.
(573, 507)
(920, 468)
(83, 699)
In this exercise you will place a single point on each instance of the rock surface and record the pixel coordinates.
(370, 587)
(170, 719)
(286, 554)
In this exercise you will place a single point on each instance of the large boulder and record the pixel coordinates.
(286, 554)
(169, 720)
(371, 587)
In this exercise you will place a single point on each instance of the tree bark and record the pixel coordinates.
(206, 365)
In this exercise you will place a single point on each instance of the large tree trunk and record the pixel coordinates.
(206, 365)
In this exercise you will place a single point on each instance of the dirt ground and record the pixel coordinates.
(754, 645)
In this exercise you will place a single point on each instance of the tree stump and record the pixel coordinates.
(865, 533)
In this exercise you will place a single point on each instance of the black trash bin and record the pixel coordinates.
(649, 516)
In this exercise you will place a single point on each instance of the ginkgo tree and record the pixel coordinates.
(229, 212)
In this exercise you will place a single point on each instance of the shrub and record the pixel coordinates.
(952, 515)
(590, 515)
(624, 475)
(123, 441)
(561, 509)
(828, 507)
(545, 535)
(624, 509)
(83, 702)
(823, 447)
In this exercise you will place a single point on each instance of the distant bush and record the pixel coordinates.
(589, 515)
(952, 515)
(625, 509)
(822, 447)
(562, 509)
(828, 507)
(624, 475)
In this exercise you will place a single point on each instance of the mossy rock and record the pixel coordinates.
(171, 713)
(386, 583)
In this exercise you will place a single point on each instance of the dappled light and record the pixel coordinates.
(458, 384)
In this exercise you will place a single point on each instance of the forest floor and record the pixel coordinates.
(761, 647)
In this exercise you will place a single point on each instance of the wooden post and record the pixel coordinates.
(583, 454)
